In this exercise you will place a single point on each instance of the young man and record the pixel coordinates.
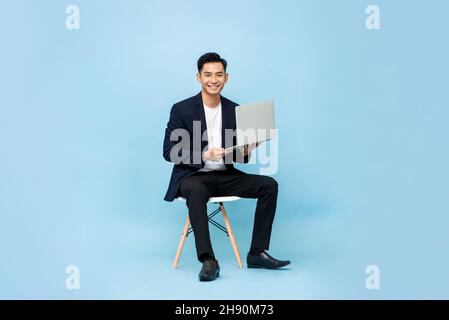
(195, 141)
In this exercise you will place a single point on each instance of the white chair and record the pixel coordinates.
(228, 230)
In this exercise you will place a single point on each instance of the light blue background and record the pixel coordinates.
(363, 146)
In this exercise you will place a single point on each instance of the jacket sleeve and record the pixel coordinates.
(177, 147)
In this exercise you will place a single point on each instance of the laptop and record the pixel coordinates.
(255, 123)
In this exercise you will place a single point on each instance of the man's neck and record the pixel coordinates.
(209, 100)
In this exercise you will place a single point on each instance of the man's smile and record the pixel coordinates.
(213, 86)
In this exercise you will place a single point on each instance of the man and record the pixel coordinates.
(195, 141)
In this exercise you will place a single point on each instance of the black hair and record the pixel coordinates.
(210, 57)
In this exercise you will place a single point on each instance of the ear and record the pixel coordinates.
(198, 77)
(227, 77)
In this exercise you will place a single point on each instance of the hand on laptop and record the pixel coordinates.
(215, 154)
(250, 147)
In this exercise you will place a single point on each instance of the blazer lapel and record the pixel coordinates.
(200, 110)
(224, 121)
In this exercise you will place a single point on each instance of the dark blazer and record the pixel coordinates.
(182, 116)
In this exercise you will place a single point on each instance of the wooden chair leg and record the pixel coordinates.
(231, 236)
(181, 242)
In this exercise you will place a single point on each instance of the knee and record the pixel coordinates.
(270, 184)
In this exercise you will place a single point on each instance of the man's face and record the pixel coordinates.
(212, 78)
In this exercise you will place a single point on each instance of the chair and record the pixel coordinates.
(228, 230)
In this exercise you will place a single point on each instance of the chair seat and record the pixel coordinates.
(217, 199)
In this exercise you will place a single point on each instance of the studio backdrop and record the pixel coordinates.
(361, 157)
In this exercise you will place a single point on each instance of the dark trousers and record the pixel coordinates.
(198, 188)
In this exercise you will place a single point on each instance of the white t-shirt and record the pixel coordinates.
(213, 123)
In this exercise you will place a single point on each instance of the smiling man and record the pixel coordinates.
(202, 169)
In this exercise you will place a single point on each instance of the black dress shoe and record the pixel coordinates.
(264, 260)
(210, 271)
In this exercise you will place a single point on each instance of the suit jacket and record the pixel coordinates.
(189, 154)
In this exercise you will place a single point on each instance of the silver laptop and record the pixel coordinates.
(255, 123)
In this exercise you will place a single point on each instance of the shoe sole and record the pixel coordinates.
(255, 266)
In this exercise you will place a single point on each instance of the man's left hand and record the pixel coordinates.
(249, 147)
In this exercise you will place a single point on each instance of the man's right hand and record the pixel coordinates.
(214, 154)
